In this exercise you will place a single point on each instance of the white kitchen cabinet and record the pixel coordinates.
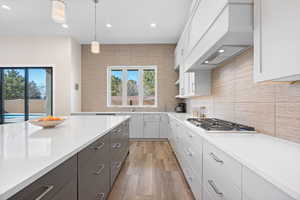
(256, 188)
(151, 129)
(276, 40)
(203, 18)
(136, 126)
(164, 127)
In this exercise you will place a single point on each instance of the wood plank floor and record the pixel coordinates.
(151, 172)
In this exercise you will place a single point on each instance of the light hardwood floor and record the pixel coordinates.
(151, 172)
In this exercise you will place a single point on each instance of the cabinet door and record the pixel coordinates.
(164, 127)
(276, 40)
(256, 188)
(151, 129)
(136, 126)
(68, 192)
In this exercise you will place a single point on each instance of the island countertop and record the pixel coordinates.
(28, 152)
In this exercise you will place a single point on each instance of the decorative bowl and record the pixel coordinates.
(46, 123)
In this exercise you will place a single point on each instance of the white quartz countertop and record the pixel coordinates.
(274, 159)
(28, 152)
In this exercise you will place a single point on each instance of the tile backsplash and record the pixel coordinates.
(271, 109)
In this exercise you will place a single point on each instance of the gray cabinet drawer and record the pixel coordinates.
(94, 182)
(94, 152)
(114, 170)
(68, 192)
(116, 134)
(94, 170)
(51, 183)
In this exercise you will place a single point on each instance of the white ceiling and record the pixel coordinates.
(131, 20)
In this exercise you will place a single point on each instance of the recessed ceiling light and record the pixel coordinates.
(206, 62)
(6, 7)
(221, 51)
(153, 25)
(65, 25)
(108, 25)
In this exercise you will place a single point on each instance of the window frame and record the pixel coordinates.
(124, 70)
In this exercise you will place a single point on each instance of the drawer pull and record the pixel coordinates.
(118, 165)
(214, 187)
(96, 148)
(116, 146)
(218, 160)
(48, 189)
(190, 153)
(100, 170)
(101, 196)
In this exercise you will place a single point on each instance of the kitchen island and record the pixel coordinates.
(29, 153)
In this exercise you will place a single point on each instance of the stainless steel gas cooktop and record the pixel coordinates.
(213, 124)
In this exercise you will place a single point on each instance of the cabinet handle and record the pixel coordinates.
(214, 187)
(96, 148)
(48, 189)
(190, 153)
(218, 160)
(101, 196)
(118, 165)
(116, 146)
(98, 172)
(118, 131)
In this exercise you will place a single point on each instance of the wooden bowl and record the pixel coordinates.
(46, 124)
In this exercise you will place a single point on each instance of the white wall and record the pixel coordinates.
(76, 76)
(57, 52)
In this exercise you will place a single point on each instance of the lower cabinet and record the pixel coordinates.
(256, 188)
(151, 129)
(164, 127)
(68, 192)
(189, 155)
(136, 126)
(53, 184)
(88, 175)
(94, 170)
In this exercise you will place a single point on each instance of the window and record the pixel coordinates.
(25, 93)
(132, 86)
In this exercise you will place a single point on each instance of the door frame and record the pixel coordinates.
(26, 97)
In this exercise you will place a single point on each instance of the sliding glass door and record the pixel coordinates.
(25, 93)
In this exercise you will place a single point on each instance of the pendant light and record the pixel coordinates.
(95, 46)
(59, 11)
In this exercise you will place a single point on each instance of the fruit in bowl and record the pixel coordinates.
(47, 122)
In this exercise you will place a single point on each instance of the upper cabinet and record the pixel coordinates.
(216, 31)
(276, 40)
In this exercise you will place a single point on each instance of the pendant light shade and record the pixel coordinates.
(59, 11)
(95, 47)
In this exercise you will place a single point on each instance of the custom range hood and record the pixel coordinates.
(229, 34)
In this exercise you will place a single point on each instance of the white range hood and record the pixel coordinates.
(229, 33)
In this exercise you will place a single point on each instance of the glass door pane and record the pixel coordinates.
(132, 87)
(14, 95)
(39, 92)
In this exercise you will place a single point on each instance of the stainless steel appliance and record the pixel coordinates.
(218, 125)
(180, 108)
